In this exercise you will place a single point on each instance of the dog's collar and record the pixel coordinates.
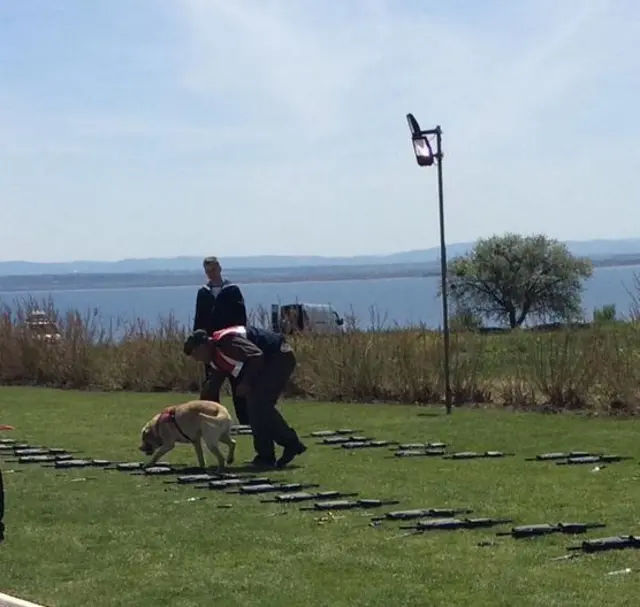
(169, 415)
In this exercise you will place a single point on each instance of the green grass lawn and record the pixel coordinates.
(128, 540)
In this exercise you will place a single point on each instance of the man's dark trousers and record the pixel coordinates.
(267, 424)
(211, 391)
(239, 403)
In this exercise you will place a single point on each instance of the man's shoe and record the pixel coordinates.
(263, 462)
(289, 453)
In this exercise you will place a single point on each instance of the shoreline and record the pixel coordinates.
(100, 282)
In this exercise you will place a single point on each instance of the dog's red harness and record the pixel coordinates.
(168, 415)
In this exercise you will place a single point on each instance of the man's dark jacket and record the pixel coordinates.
(256, 349)
(227, 309)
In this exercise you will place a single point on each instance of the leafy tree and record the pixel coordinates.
(508, 278)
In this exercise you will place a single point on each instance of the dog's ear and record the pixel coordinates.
(145, 433)
(151, 431)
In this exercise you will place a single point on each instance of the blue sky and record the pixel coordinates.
(153, 128)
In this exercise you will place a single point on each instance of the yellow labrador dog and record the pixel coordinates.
(192, 422)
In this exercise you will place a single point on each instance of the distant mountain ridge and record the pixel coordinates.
(596, 249)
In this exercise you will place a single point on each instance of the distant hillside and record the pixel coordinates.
(57, 282)
(596, 249)
(190, 264)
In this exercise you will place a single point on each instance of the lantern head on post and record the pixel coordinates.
(421, 146)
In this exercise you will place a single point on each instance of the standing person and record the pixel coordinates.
(262, 362)
(219, 304)
(2, 427)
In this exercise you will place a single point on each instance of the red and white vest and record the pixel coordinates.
(222, 362)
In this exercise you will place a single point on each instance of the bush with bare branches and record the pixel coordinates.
(595, 368)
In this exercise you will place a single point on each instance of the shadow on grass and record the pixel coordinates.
(248, 468)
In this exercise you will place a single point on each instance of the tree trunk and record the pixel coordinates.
(523, 314)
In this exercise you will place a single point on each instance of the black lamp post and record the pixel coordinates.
(426, 157)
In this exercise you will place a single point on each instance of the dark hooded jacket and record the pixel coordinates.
(227, 309)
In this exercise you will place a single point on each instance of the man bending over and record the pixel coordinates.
(261, 362)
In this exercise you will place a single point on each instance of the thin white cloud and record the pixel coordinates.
(294, 109)
(579, 44)
(269, 52)
(308, 64)
(499, 88)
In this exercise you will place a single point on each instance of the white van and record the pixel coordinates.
(305, 317)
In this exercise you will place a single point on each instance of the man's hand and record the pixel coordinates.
(5, 428)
